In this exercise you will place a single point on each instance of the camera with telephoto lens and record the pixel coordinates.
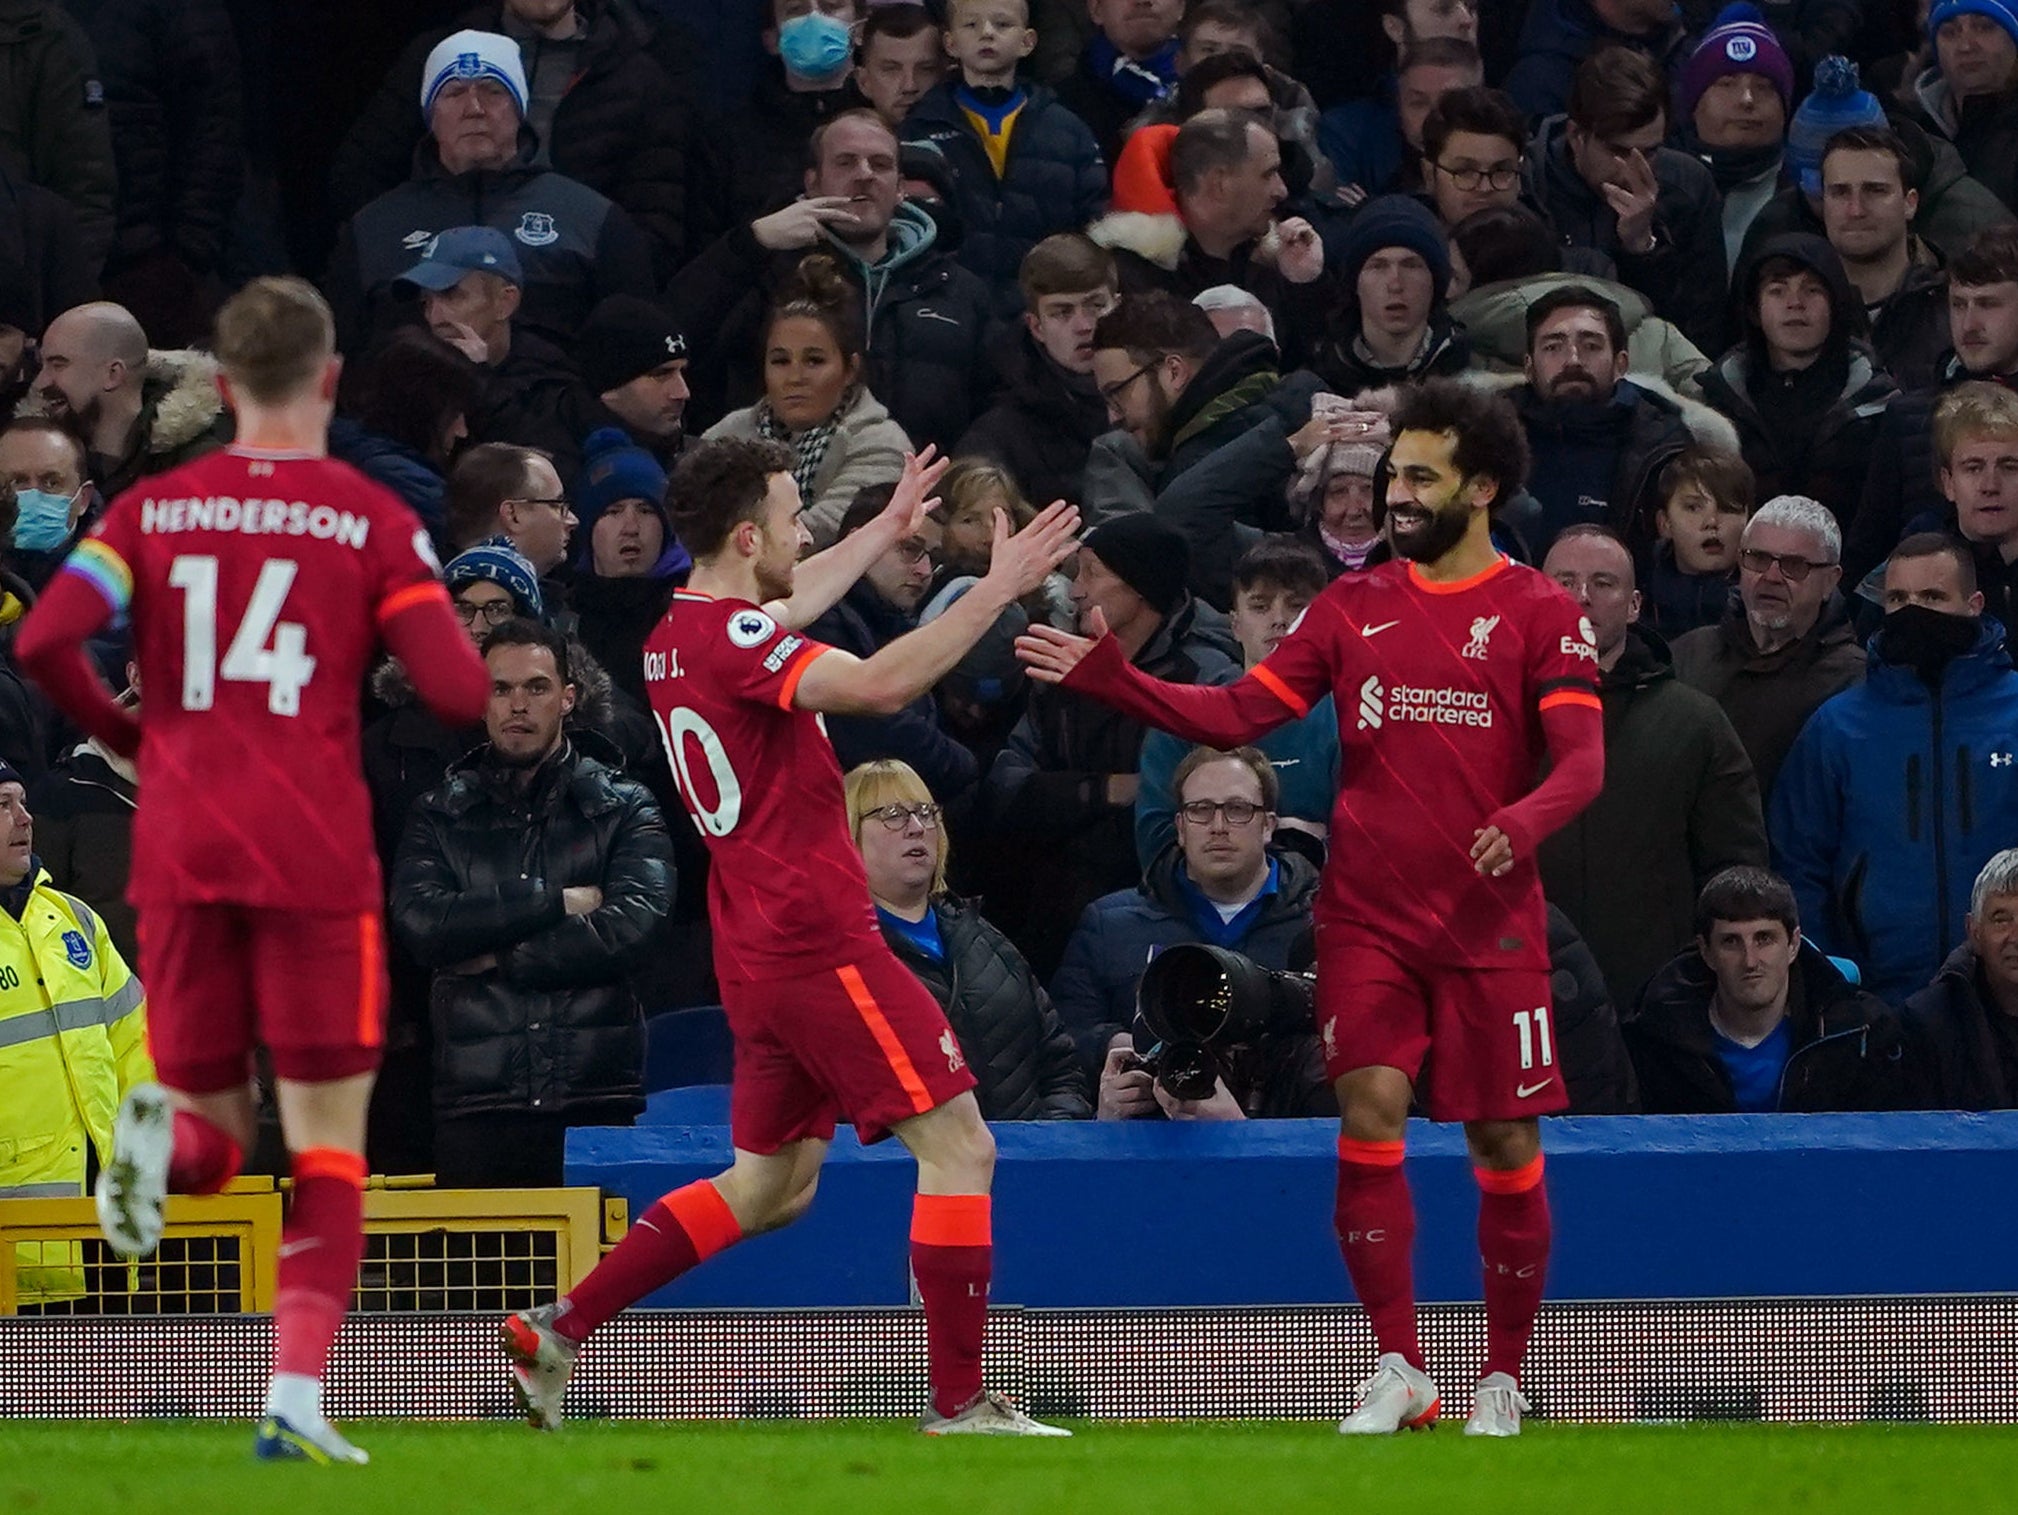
(1195, 1003)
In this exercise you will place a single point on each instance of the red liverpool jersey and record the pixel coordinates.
(1439, 690)
(786, 892)
(256, 583)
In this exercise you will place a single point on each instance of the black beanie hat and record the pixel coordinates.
(1149, 557)
(626, 336)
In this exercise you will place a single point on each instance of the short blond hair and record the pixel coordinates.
(274, 338)
(972, 479)
(891, 781)
(1975, 409)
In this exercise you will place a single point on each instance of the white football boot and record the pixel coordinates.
(1397, 1398)
(134, 1185)
(542, 1360)
(988, 1415)
(1498, 1409)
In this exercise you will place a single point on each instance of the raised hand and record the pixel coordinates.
(1632, 197)
(1024, 559)
(1051, 654)
(798, 224)
(1301, 255)
(913, 497)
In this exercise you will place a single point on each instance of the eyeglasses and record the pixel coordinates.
(1111, 393)
(560, 502)
(897, 817)
(1503, 177)
(911, 550)
(1793, 567)
(490, 612)
(1237, 812)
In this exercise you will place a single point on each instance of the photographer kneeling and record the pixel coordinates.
(1220, 887)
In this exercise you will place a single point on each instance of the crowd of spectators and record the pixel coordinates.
(1748, 278)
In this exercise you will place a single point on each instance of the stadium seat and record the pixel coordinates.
(685, 1047)
(691, 1105)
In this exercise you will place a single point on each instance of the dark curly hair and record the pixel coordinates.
(1490, 441)
(719, 484)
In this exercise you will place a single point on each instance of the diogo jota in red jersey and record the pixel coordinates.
(261, 582)
(827, 1022)
(1457, 675)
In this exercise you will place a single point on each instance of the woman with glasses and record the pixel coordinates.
(1009, 1033)
(816, 400)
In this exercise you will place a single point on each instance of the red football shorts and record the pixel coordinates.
(221, 979)
(1479, 1043)
(866, 1041)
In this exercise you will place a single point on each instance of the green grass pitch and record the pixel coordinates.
(882, 1468)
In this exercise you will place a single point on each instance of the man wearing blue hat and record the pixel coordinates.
(1970, 96)
(470, 284)
(479, 167)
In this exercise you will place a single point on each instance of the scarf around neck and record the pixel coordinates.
(809, 447)
(1139, 81)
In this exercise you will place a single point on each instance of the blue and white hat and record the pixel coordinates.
(474, 55)
(503, 566)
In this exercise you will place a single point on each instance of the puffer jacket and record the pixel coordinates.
(622, 128)
(1042, 424)
(1910, 330)
(73, 1040)
(1017, 1048)
(1893, 798)
(1848, 1052)
(1984, 131)
(863, 623)
(1685, 274)
(170, 69)
(1494, 317)
(1954, 1046)
(1560, 34)
(1770, 695)
(398, 467)
(552, 1025)
(1119, 933)
(1054, 181)
(1828, 460)
(867, 448)
(53, 127)
(1679, 805)
(575, 245)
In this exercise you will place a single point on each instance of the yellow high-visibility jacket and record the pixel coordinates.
(73, 1039)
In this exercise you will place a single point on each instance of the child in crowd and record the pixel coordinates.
(1024, 166)
(1706, 498)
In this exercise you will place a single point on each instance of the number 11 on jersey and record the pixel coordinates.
(284, 667)
(1533, 1026)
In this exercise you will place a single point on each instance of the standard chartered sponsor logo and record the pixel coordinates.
(1369, 705)
(1422, 705)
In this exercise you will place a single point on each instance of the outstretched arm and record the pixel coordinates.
(820, 581)
(1222, 716)
(841, 684)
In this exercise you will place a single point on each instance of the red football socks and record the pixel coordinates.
(952, 1258)
(1513, 1243)
(1375, 1220)
(679, 1232)
(204, 1159)
(320, 1244)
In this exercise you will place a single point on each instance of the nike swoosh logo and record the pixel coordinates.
(1374, 631)
(1526, 1090)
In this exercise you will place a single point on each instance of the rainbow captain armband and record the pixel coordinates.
(100, 566)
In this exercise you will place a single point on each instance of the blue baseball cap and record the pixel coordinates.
(463, 250)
